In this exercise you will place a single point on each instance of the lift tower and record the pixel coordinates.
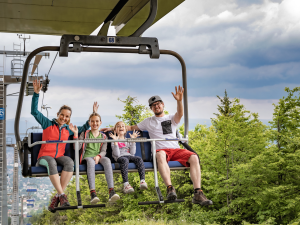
(4, 81)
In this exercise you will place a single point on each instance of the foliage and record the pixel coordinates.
(133, 114)
(249, 170)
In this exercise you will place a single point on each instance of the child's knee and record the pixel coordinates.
(105, 160)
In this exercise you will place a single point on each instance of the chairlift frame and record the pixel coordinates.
(134, 45)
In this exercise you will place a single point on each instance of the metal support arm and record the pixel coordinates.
(80, 40)
(149, 21)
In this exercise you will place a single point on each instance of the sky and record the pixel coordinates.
(250, 48)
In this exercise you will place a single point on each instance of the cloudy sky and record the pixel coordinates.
(251, 48)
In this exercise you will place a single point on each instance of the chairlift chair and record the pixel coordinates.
(81, 43)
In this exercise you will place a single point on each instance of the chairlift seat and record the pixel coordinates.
(38, 171)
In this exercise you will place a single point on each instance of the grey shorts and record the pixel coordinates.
(51, 164)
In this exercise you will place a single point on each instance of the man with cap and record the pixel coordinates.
(161, 126)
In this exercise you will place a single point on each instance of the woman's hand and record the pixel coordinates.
(113, 136)
(95, 107)
(134, 134)
(37, 86)
(74, 129)
(97, 159)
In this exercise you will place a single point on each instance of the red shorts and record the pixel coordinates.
(178, 154)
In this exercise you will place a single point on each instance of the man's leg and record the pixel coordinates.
(195, 171)
(163, 167)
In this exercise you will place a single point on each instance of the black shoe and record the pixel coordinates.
(113, 196)
(171, 193)
(94, 198)
(200, 198)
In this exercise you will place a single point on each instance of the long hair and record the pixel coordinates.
(115, 127)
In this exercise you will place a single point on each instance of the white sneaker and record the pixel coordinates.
(113, 197)
(143, 185)
(128, 189)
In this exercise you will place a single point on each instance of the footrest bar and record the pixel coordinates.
(77, 207)
(158, 202)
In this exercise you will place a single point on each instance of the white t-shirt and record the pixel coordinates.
(160, 128)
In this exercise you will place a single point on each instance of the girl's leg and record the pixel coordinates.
(90, 172)
(138, 161)
(124, 168)
(106, 163)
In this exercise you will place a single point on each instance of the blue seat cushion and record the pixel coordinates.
(42, 169)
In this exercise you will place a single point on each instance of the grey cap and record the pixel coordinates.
(153, 99)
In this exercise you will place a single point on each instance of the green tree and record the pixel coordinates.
(276, 170)
(225, 108)
(236, 138)
(135, 113)
(132, 113)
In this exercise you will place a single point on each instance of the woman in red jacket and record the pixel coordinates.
(51, 154)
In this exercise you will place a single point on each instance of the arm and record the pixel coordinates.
(178, 97)
(103, 149)
(133, 127)
(132, 148)
(132, 145)
(115, 150)
(128, 128)
(74, 129)
(83, 128)
(40, 118)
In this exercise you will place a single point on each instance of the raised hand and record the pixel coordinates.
(113, 136)
(178, 93)
(95, 107)
(37, 86)
(74, 129)
(134, 134)
(97, 159)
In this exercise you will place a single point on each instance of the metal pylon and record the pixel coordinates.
(2, 65)
(15, 196)
(3, 172)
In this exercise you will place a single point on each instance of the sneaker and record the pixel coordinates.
(171, 193)
(143, 185)
(113, 197)
(94, 198)
(200, 198)
(128, 189)
(63, 200)
(53, 204)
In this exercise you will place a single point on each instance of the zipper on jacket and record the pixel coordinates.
(57, 143)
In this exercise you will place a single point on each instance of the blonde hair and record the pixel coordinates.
(115, 127)
(67, 108)
(95, 114)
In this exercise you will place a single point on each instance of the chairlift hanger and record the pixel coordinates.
(145, 45)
